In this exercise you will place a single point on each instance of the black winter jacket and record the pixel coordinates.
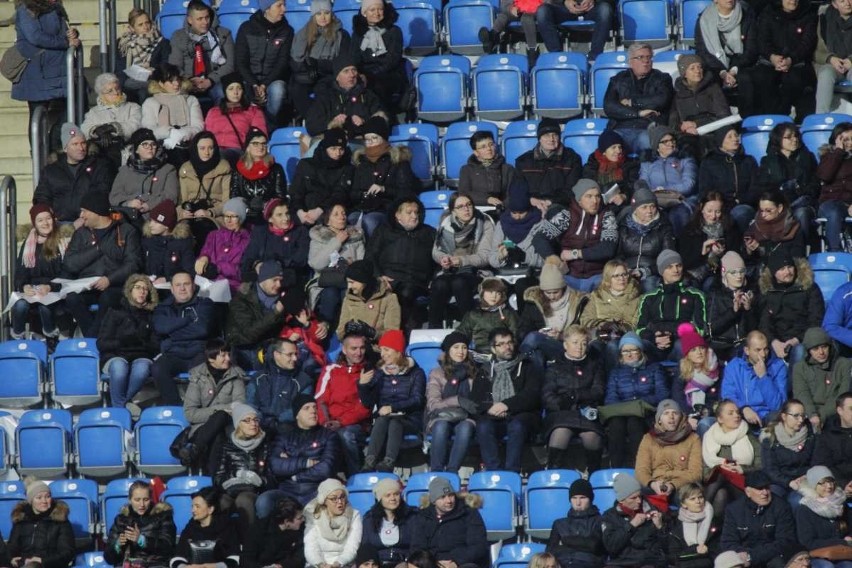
(262, 51)
(629, 546)
(221, 530)
(799, 170)
(792, 35)
(834, 450)
(724, 325)
(258, 192)
(42, 273)
(691, 242)
(668, 306)
(789, 310)
(702, 105)
(158, 528)
(639, 245)
(458, 536)
(481, 182)
(184, 328)
(405, 392)
(526, 379)
(392, 171)
(62, 187)
(168, 255)
(577, 539)
(551, 177)
(784, 465)
(249, 322)
(291, 250)
(357, 101)
(267, 545)
(272, 392)
(734, 176)
(321, 182)
(683, 555)
(234, 459)
(48, 535)
(815, 531)
(405, 256)
(765, 533)
(748, 31)
(372, 530)
(114, 252)
(387, 65)
(288, 460)
(128, 331)
(654, 91)
(568, 387)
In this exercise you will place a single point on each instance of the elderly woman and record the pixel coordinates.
(387, 525)
(786, 447)
(143, 48)
(42, 535)
(207, 525)
(633, 379)
(577, 538)
(147, 180)
(231, 119)
(462, 245)
(572, 385)
(774, 227)
(142, 529)
(706, 238)
(170, 112)
(698, 100)
(278, 539)
(333, 527)
(835, 173)
(113, 120)
(635, 534)
(732, 307)
(445, 418)
(205, 180)
(222, 253)
(377, 47)
(609, 165)
(368, 299)
(323, 179)
(257, 178)
(127, 342)
(282, 238)
(822, 517)
(643, 234)
(335, 245)
(671, 175)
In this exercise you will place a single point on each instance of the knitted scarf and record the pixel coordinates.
(247, 445)
(696, 526)
(216, 55)
(741, 448)
(463, 236)
(830, 507)
(373, 41)
(713, 25)
(265, 299)
(794, 442)
(676, 436)
(641, 228)
(558, 312)
(174, 109)
(837, 33)
(334, 530)
(258, 170)
(502, 387)
(517, 230)
(146, 167)
(781, 228)
(702, 380)
(31, 244)
(139, 48)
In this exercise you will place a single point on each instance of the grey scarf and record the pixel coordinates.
(247, 444)
(794, 443)
(713, 25)
(216, 55)
(373, 41)
(502, 387)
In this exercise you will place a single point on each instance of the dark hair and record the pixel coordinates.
(838, 130)
(479, 136)
(785, 409)
(718, 412)
(165, 72)
(215, 346)
(455, 196)
(326, 214)
(422, 559)
(447, 365)
(842, 398)
(776, 196)
(697, 221)
(776, 135)
(377, 514)
(281, 341)
(210, 495)
(499, 332)
(199, 6)
(223, 102)
(286, 509)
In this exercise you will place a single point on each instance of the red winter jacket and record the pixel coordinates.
(308, 336)
(527, 6)
(337, 395)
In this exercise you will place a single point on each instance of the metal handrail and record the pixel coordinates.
(38, 141)
(75, 96)
(8, 244)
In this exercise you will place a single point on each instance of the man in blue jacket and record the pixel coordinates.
(184, 323)
(837, 321)
(756, 381)
(273, 391)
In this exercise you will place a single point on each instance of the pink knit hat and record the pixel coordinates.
(689, 338)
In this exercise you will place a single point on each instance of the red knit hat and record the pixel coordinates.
(165, 214)
(270, 206)
(38, 209)
(393, 339)
(689, 338)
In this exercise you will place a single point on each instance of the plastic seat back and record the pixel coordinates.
(606, 477)
(27, 362)
(581, 135)
(11, 493)
(419, 24)
(285, 148)
(99, 438)
(455, 147)
(43, 442)
(177, 494)
(360, 489)
(756, 131)
(155, 431)
(75, 372)
(501, 494)
(81, 496)
(462, 20)
(518, 555)
(422, 142)
(519, 138)
(604, 498)
(646, 21)
(115, 497)
(434, 203)
(831, 271)
(171, 17)
(557, 84)
(547, 499)
(606, 66)
(816, 129)
(689, 11)
(499, 86)
(425, 354)
(442, 88)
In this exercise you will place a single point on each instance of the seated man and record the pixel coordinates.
(821, 376)
(637, 97)
(203, 52)
(552, 13)
(833, 449)
(791, 303)
(450, 529)
(101, 247)
(550, 168)
(759, 527)
(74, 174)
(273, 390)
(184, 323)
(837, 321)
(833, 56)
(257, 315)
(756, 380)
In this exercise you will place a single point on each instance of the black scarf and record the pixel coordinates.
(516, 231)
(146, 167)
(201, 167)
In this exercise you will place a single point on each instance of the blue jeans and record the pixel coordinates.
(835, 215)
(823, 563)
(266, 502)
(635, 139)
(126, 379)
(353, 440)
(549, 16)
(276, 94)
(795, 355)
(21, 313)
(461, 432)
(541, 347)
(329, 302)
(583, 284)
(743, 215)
(489, 432)
(369, 221)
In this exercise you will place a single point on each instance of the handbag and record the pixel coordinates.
(834, 553)
(332, 278)
(453, 414)
(180, 441)
(637, 408)
(13, 64)
(667, 198)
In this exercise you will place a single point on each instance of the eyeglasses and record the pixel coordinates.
(148, 145)
(504, 343)
(337, 499)
(139, 286)
(827, 481)
(287, 353)
(619, 275)
(668, 141)
(630, 351)
(230, 217)
(486, 146)
(643, 57)
(258, 144)
(797, 415)
(250, 420)
(463, 206)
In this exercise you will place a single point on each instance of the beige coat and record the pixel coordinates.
(217, 182)
(381, 310)
(677, 464)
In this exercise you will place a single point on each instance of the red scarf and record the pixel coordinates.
(258, 170)
(608, 169)
(630, 513)
(280, 232)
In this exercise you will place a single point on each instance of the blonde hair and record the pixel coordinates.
(540, 560)
(688, 490)
(575, 329)
(688, 368)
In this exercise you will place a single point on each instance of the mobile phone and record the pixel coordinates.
(508, 244)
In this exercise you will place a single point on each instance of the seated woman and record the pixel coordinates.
(609, 165)
(634, 379)
(257, 178)
(377, 47)
(493, 311)
(127, 341)
(147, 180)
(835, 173)
(643, 233)
(397, 389)
(693, 540)
(142, 48)
(207, 526)
(822, 515)
(39, 261)
(241, 472)
(452, 378)
(205, 181)
(278, 539)
(612, 310)
(222, 253)
(335, 245)
(635, 534)
(577, 538)
(708, 236)
(281, 238)
(732, 307)
(333, 527)
(773, 227)
(698, 100)
(387, 525)
(786, 447)
(368, 299)
(462, 245)
(114, 119)
(698, 370)
(573, 385)
(167, 244)
(42, 536)
(142, 531)
(231, 119)
(671, 175)
(543, 560)
(171, 113)
(486, 176)
(323, 179)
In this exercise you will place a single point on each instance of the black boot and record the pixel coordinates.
(532, 57)
(555, 458)
(490, 39)
(593, 460)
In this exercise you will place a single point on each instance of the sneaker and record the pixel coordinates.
(369, 464)
(386, 465)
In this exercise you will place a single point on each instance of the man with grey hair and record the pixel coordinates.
(638, 97)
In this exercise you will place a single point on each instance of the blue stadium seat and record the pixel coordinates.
(666, 61)
(581, 135)
(171, 17)
(43, 442)
(81, 496)
(5, 458)
(422, 142)
(501, 495)
(235, 16)
(831, 270)
(425, 355)
(27, 362)
(547, 499)
(688, 13)
(99, 439)
(419, 24)
(360, 489)
(606, 477)
(518, 137)
(455, 147)
(517, 555)
(93, 560)
(155, 431)
(756, 133)
(462, 20)
(645, 21)
(11, 493)
(435, 203)
(75, 372)
(604, 498)
(114, 498)
(345, 10)
(298, 13)
(557, 84)
(816, 129)
(177, 494)
(499, 86)
(442, 88)
(606, 66)
(284, 147)
(418, 484)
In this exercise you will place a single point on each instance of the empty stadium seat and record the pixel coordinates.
(455, 147)
(666, 61)
(581, 135)
(284, 147)
(75, 372)
(345, 10)
(298, 13)
(547, 499)
(756, 133)
(114, 498)
(606, 66)
(81, 496)
(27, 362)
(425, 355)
(499, 86)
(519, 137)
(178, 494)
(688, 13)
(99, 439)
(816, 129)
(43, 442)
(93, 560)
(517, 555)
(501, 495)
(11, 493)
(155, 431)
(233, 13)
(422, 142)
(419, 24)
(5, 444)
(645, 21)
(831, 270)
(442, 88)
(360, 489)
(418, 484)
(171, 17)
(435, 203)
(462, 20)
(557, 84)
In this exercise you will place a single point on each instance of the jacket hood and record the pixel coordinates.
(815, 336)
(804, 276)
(160, 507)
(23, 511)
(397, 154)
(382, 289)
(359, 22)
(323, 233)
(463, 500)
(153, 294)
(182, 230)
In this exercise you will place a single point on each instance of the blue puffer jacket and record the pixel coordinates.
(837, 321)
(647, 383)
(184, 328)
(674, 172)
(289, 457)
(42, 40)
(272, 392)
(763, 395)
(404, 393)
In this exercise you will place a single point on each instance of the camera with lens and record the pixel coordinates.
(193, 206)
(358, 327)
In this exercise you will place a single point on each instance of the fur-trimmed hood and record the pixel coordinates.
(359, 22)
(804, 276)
(153, 294)
(472, 500)
(182, 230)
(66, 231)
(534, 295)
(323, 233)
(154, 88)
(23, 511)
(397, 154)
(157, 509)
